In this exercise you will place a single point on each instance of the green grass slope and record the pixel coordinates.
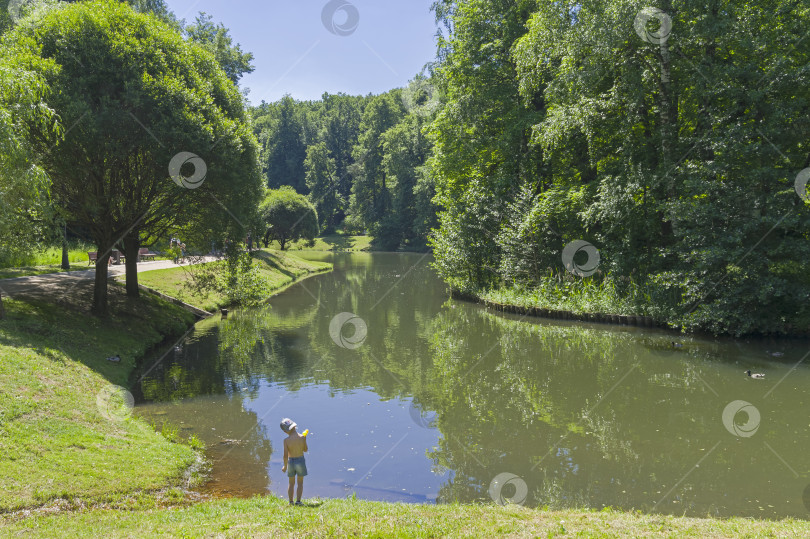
(56, 441)
(272, 517)
(277, 267)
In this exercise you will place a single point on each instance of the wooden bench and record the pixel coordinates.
(143, 253)
(93, 257)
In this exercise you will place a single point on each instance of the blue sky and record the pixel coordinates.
(294, 52)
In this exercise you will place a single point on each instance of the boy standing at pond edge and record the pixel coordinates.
(295, 446)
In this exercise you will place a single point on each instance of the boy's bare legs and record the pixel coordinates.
(292, 488)
(300, 488)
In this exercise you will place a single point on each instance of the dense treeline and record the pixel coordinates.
(665, 144)
(672, 149)
(360, 160)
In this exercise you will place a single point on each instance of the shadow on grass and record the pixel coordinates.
(58, 327)
(28, 271)
(339, 242)
(307, 504)
(273, 261)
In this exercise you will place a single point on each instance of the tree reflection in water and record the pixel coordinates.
(587, 415)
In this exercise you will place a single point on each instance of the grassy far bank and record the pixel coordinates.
(56, 441)
(277, 268)
(331, 242)
(576, 296)
(273, 517)
(609, 297)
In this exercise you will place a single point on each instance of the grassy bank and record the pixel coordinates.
(48, 256)
(331, 242)
(58, 440)
(277, 268)
(576, 296)
(272, 517)
(45, 260)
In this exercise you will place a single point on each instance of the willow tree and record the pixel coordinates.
(288, 217)
(23, 184)
(136, 100)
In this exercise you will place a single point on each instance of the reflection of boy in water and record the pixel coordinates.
(295, 446)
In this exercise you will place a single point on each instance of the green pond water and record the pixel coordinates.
(415, 397)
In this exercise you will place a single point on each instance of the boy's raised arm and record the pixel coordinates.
(306, 447)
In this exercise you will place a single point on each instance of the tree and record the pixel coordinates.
(135, 96)
(216, 40)
(371, 199)
(673, 152)
(342, 116)
(406, 153)
(322, 182)
(482, 154)
(289, 217)
(285, 148)
(23, 184)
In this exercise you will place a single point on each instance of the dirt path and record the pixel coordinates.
(60, 284)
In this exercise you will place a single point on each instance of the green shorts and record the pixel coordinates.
(296, 466)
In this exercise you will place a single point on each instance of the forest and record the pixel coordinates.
(362, 161)
(671, 141)
(655, 157)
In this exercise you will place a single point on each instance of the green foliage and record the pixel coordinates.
(216, 40)
(322, 182)
(285, 147)
(675, 159)
(237, 280)
(24, 186)
(31, 256)
(288, 216)
(361, 160)
(243, 283)
(118, 71)
(206, 286)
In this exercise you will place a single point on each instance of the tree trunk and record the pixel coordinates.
(100, 286)
(132, 244)
(65, 257)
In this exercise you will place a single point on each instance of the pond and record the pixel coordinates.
(412, 396)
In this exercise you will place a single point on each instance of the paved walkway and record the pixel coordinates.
(62, 282)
